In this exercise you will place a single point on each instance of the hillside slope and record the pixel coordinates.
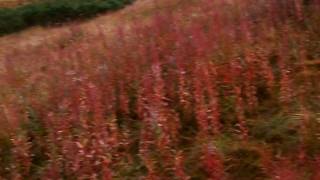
(141, 9)
(221, 90)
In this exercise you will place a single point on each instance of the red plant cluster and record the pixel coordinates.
(174, 98)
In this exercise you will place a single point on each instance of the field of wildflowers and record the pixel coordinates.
(212, 90)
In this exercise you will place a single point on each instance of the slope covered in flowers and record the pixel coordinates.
(205, 90)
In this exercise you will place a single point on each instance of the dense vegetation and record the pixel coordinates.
(51, 12)
(209, 90)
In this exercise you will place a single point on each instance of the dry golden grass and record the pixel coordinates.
(12, 3)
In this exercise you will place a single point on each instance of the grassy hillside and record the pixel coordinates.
(202, 90)
(53, 12)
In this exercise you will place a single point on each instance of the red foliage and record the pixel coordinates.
(139, 101)
(212, 163)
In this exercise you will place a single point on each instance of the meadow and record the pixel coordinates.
(52, 12)
(204, 89)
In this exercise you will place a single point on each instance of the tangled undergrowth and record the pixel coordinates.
(216, 90)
